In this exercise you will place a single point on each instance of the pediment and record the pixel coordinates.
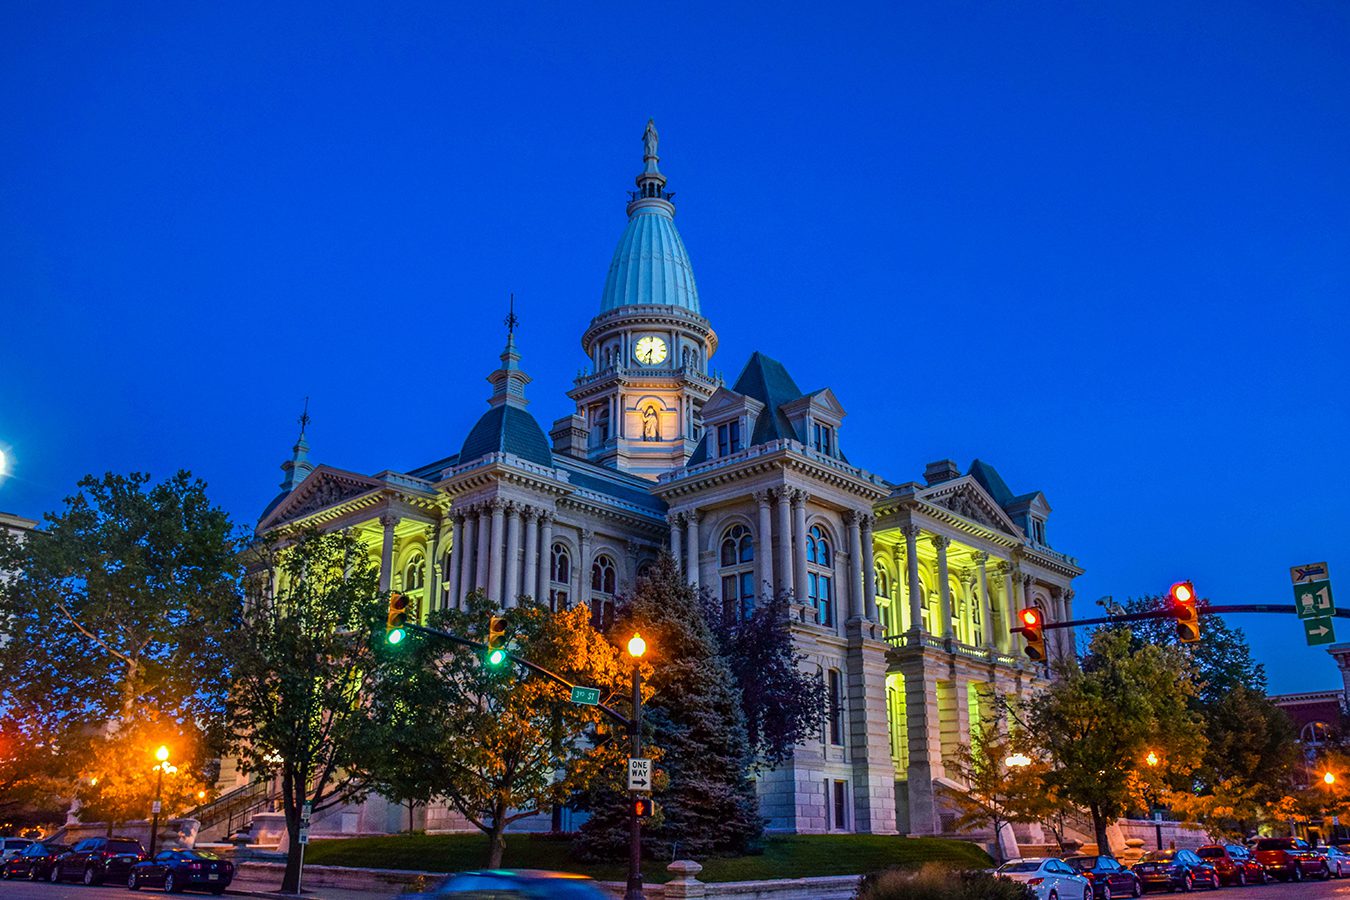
(322, 489)
(964, 497)
(722, 400)
(825, 399)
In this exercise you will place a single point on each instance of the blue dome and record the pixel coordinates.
(650, 265)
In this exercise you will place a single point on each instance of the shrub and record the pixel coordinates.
(940, 883)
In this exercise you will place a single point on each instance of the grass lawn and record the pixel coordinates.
(786, 856)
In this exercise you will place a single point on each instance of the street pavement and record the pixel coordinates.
(27, 890)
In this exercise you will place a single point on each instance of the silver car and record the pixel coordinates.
(1050, 878)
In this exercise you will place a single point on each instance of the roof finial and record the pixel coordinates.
(298, 466)
(512, 320)
(304, 419)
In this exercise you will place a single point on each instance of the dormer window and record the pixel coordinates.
(822, 438)
(1038, 531)
(728, 438)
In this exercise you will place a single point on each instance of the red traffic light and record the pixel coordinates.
(1183, 592)
(1030, 617)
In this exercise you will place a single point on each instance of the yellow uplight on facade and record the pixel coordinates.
(636, 645)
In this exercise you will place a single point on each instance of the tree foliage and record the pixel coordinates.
(303, 672)
(996, 794)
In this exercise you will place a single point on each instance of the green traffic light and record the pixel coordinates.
(496, 657)
(395, 636)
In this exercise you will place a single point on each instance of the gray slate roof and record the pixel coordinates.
(507, 429)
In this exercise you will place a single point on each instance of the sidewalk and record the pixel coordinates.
(268, 888)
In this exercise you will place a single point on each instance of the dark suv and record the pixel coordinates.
(1109, 878)
(1234, 864)
(1291, 859)
(94, 859)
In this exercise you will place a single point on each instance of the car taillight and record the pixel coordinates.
(196, 867)
(229, 867)
(1035, 881)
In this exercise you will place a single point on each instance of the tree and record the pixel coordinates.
(33, 791)
(696, 719)
(116, 617)
(782, 704)
(996, 795)
(304, 666)
(493, 741)
(1095, 725)
(118, 775)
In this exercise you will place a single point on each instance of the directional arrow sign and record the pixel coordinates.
(586, 696)
(1319, 631)
(1313, 599)
(1310, 572)
(639, 774)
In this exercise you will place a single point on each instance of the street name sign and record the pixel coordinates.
(639, 774)
(586, 696)
(1319, 631)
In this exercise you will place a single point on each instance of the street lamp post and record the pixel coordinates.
(1152, 760)
(162, 754)
(636, 647)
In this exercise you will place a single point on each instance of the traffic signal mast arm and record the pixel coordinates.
(519, 660)
(1171, 614)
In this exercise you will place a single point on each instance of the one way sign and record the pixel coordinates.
(639, 774)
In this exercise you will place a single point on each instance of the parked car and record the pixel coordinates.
(94, 860)
(34, 862)
(180, 870)
(1338, 861)
(1291, 859)
(527, 884)
(11, 847)
(1236, 865)
(1176, 870)
(1109, 878)
(1051, 879)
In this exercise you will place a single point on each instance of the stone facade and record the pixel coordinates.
(903, 591)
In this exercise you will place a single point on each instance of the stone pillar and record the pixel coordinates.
(387, 551)
(691, 547)
(940, 543)
(582, 575)
(799, 499)
(495, 551)
(764, 543)
(986, 607)
(530, 579)
(869, 732)
(480, 572)
(511, 571)
(913, 586)
(923, 728)
(545, 554)
(452, 578)
(431, 568)
(900, 611)
(855, 606)
(1009, 600)
(465, 555)
(784, 555)
(676, 521)
(869, 568)
(1070, 639)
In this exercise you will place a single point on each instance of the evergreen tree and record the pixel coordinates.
(708, 805)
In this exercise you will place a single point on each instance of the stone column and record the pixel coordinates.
(940, 543)
(691, 546)
(452, 578)
(869, 731)
(676, 521)
(1070, 639)
(799, 500)
(1009, 600)
(923, 722)
(764, 543)
(466, 557)
(545, 554)
(900, 611)
(855, 606)
(986, 608)
(387, 551)
(480, 572)
(495, 551)
(869, 572)
(784, 555)
(432, 567)
(530, 579)
(582, 576)
(913, 586)
(511, 589)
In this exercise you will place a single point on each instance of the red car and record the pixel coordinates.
(1234, 864)
(1291, 859)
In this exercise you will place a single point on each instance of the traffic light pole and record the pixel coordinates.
(1286, 608)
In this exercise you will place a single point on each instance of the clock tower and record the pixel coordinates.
(639, 402)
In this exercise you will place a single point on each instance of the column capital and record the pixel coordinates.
(911, 532)
(800, 497)
(762, 497)
(457, 516)
(585, 534)
(545, 517)
(1069, 594)
(940, 541)
(866, 522)
(981, 557)
(631, 548)
(497, 504)
(854, 517)
(675, 520)
(388, 520)
(529, 513)
(692, 517)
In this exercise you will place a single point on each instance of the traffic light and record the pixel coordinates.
(496, 636)
(1182, 596)
(394, 631)
(1033, 630)
(643, 807)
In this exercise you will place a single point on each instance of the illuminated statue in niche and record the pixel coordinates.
(651, 423)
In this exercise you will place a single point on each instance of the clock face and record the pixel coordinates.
(650, 350)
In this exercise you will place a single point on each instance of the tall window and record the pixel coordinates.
(820, 575)
(737, 568)
(976, 625)
(601, 430)
(728, 438)
(885, 607)
(415, 574)
(603, 577)
(822, 438)
(840, 806)
(559, 577)
(836, 707)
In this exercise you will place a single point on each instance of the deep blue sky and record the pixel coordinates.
(1104, 246)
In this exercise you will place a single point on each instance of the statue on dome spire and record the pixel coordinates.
(649, 139)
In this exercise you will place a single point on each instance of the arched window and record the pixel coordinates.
(601, 430)
(415, 574)
(885, 607)
(736, 565)
(447, 589)
(603, 578)
(559, 577)
(976, 624)
(820, 575)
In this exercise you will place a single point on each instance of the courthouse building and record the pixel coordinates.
(904, 587)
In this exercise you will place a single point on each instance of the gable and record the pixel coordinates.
(965, 497)
(323, 488)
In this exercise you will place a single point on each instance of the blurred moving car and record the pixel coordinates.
(93, 860)
(1338, 861)
(1176, 870)
(1291, 859)
(34, 862)
(181, 870)
(12, 847)
(528, 884)
(1050, 878)
(1236, 865)
(1108, 877)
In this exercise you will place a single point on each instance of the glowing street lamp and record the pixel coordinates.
(1017, 761)
(1328, 779)
(1152, 759)
(636, 645)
